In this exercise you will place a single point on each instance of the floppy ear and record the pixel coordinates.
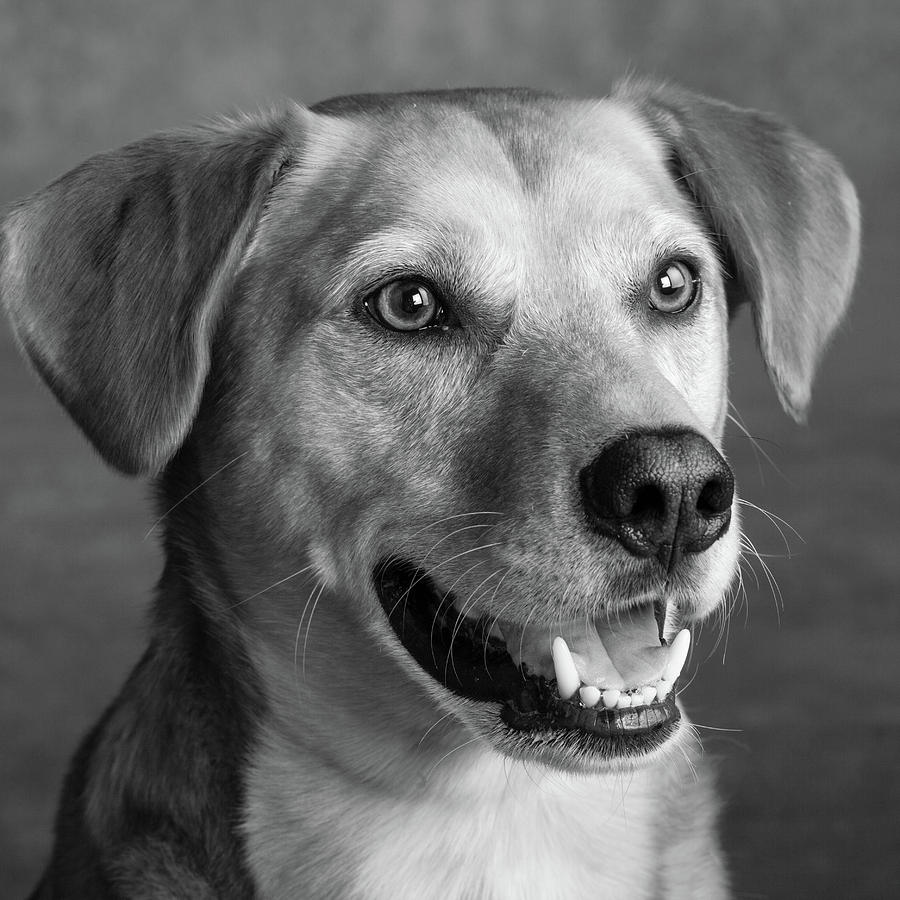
(116, 274)
(785, 214)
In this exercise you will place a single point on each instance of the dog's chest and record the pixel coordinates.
(497, 832)
(543, 840)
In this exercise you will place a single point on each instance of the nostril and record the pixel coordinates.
(715, 497)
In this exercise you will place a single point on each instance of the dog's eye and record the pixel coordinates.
(405, 306)
(675, 287)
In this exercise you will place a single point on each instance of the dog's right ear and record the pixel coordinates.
(783, 212)
(115, 275)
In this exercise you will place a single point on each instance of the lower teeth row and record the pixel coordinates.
(611, 698)
(568, 681)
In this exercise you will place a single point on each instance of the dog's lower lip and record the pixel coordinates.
(469, 658)
(539, 707)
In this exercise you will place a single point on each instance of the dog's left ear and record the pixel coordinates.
(784, 213)
(115, 276)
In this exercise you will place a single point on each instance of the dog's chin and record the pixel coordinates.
(512, 701)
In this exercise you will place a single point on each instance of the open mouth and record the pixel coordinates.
(611, 681)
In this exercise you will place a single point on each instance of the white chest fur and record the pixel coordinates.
(540, 836)
(477, 827)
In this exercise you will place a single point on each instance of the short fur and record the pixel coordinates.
(195, 301)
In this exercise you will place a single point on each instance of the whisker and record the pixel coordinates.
(470, 602)
(447, 598)
(531, 612)
(485, 512)
(312, 612)
(694, 172)
(431, 727)
(319, 586)
(690, 764)
(758, 450)
(269, 588)
(686, 686)
(416, 575)
(776, 522)
(496, 618)
(416, 580)
(447, 537)
(447, 601)
(449, 753)
(773, 555)
(193, 491)
(745, 546)
(717, 728)
(773, 584)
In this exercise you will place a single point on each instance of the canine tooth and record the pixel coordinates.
(624, 701)
(590, 695)
(567, 678)
(662, 689)
(648, 694)
(677, 655)
(611, 698)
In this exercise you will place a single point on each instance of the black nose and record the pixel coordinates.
(660, 493)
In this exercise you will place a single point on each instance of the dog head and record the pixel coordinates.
(458, 358)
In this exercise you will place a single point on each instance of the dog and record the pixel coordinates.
(432, 387)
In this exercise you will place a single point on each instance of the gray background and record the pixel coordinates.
(809, 693)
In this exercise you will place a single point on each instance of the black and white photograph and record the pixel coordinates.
(449, 451)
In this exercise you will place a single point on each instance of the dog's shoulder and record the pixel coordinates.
(151, 802)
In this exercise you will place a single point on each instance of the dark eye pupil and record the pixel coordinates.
(414, 300)
(671, 281)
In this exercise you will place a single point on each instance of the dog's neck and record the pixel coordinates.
(475, 823)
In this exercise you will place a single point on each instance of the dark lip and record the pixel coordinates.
(460, 654)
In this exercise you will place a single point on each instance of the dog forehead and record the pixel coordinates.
(503, 196)
(524, 151)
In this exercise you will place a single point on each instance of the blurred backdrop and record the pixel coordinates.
(803, 711)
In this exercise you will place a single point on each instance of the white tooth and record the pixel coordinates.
(590, 695)
(567, 677)
(624, 701)
(649, 694)
(611, 698)
(637, 699)
(662, 689)
(677, 655)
